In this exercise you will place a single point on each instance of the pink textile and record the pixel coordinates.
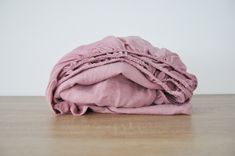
(121, 75)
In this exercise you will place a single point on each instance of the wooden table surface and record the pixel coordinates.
(28, 127)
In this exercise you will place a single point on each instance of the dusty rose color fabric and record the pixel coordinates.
(121, 75)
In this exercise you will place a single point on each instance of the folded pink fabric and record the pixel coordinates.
(121, 75)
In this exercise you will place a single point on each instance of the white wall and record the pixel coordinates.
(35, 34)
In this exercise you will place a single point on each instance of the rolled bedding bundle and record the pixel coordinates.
(121, 75)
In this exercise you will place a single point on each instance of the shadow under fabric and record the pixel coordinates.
(121, 75)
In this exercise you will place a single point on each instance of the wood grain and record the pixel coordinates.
(28, 127)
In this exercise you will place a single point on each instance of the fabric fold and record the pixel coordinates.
(121, 75)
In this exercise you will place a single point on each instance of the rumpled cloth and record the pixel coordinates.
(121, 75)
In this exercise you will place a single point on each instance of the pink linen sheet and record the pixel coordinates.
(121, 75)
